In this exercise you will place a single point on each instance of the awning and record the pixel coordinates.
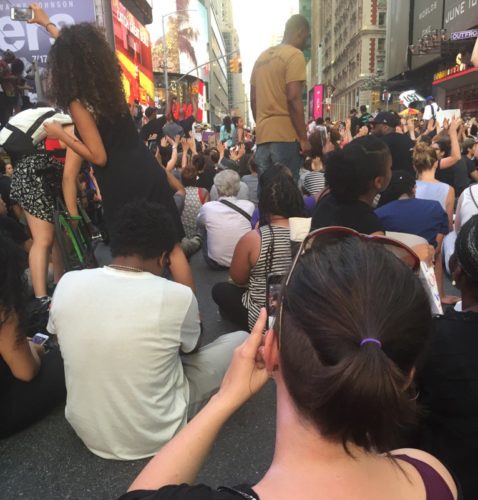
(462, 79)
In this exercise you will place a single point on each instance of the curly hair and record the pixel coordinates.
(143, 228)
(82, 66)
(12, 284)
(279, 195)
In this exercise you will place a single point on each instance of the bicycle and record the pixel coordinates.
(75, 240)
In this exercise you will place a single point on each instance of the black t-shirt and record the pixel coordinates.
(401, 148)
(448, 385)
(446, 175)
(206, 177)
(187, 124)
(355, 215)
(199, 492)
(462, 177)
(5, 185)
(153, 127)
(13, 229)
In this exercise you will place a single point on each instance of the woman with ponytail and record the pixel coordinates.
(425, 162)
(352, 325)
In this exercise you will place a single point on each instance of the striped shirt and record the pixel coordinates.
(314, 182)
(275, 257)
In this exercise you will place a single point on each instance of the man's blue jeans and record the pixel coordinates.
(286, 153)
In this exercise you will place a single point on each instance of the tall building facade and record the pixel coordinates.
(238, 101)
(348, 52)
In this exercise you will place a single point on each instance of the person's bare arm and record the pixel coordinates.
(91, 147)
(174, 156)
(180, 269)
(450, 206)
(240, 269)
(474, 175)
(455, 156)
(296, 110)
(253, 101)
(70, 175)
(21, 356)
(474, 55)
(41, 17)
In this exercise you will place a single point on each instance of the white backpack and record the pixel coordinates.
(25, 130)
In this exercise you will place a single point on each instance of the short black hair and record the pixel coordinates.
(363, 108)
(296, 23)
(2, 166)
(350, 171)
(402, 182)
(466, 250)
(143, 228)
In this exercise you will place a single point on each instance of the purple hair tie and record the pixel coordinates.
(375, 341)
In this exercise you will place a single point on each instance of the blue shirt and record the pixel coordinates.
(425, 218)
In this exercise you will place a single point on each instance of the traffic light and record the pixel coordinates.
(239, 65)
(233, 66)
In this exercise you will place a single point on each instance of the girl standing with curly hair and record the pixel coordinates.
(85, 79)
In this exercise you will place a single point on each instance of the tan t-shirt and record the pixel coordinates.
(274, 68)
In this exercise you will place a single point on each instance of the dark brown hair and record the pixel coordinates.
(189, 176)
(342, 291)
(83, 66)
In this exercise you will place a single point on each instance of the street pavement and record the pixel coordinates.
(48, 460)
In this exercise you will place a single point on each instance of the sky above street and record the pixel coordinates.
(257, 22)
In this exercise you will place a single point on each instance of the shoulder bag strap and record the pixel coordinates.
(473, 197)
(237, 209)
(33, 127)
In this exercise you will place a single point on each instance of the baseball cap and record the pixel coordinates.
(469, 142)
(149, 111)
(386, 118)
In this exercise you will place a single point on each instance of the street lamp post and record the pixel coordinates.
(165, 50)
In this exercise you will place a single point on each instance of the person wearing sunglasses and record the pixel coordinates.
(342, 353)
(448, 383)
(355, 175)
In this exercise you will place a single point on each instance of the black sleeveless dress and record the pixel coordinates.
(131, 172)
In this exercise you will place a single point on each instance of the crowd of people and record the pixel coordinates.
(360, 222)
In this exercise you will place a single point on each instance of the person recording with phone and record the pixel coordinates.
(32, 382)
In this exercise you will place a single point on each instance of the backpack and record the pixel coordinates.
(25, 130)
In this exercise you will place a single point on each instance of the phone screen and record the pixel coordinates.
(273, 288)
(18, 14)
(39, 338)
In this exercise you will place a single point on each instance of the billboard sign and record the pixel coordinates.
(186, 38)
(460, 15)
(31, 42)
(464, 35)
(318, 100)
(427, 16)
(133, 50)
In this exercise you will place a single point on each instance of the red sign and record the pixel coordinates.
(318, 102)
(133, 49)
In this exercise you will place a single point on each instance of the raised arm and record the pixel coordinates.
(41, 18)
(455, 156)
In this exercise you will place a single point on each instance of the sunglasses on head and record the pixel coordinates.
(400, 250)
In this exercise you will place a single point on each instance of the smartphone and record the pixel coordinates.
(40, 338)
(18, 14)
(273, 288)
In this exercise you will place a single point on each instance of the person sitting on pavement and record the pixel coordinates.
(313, 182)
(342, 353)
(355, 175)
(404, 213)
(428, 187)
(262, 251)
(448, 381)
(134, 367)
(32, 381)
(252, 180)
(225, 221)
(400, 145)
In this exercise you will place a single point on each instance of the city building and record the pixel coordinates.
(433, 54)
(348, 52)
(238, 101)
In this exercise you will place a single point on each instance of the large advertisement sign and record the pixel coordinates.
(318, 101)
(427, 16)
(31, 42)
(133, 49)
(186, 38)
(460, 15)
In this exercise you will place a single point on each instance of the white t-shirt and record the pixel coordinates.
(120, 333)
(428, 112)
(225, 227)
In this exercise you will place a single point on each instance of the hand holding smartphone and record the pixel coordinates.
(19, 14)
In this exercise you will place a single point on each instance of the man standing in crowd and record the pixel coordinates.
(365, 116)
(134, 367)
(152, 130)
(431, 109)
(400, 145)
(277, 84)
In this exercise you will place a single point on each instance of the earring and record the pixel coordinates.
(453, 283)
